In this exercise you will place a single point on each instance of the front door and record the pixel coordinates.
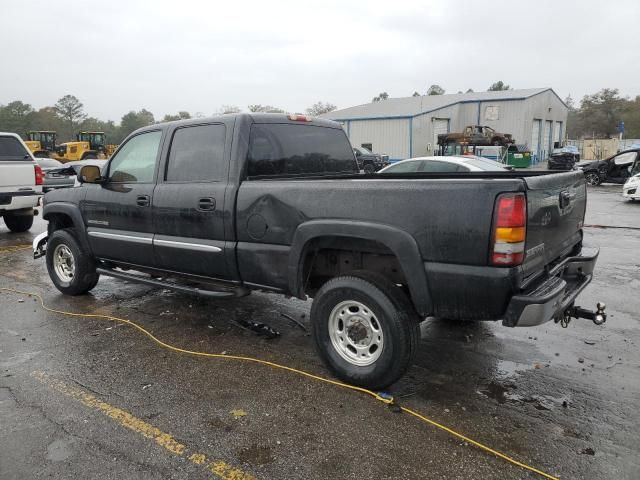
(188, 204)
(118, 212)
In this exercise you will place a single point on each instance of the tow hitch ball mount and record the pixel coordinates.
(598, 317)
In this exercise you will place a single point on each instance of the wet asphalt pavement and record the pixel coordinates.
(88, 398)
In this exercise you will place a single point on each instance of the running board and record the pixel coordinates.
(236, 292)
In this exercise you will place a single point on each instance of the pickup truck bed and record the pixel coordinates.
(274, 202)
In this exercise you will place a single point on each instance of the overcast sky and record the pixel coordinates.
(197, 56)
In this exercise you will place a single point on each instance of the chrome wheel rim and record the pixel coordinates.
(592, 178)
(63, 263)
(356, 333)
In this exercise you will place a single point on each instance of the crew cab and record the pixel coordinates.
(21, 181)
(222, 206)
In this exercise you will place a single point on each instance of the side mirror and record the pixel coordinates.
(90, 174)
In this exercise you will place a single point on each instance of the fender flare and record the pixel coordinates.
(401, 243)
(73, 212)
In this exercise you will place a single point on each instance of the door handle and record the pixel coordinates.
(207, 204)
(142, 200)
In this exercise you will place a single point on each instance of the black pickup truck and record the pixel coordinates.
(222, 206)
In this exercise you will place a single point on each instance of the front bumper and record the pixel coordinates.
(554, 295)
(39, 245)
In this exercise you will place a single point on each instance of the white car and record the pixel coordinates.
(21, 181)
(631, 188)
(445, 165)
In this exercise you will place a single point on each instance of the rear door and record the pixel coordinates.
(188, 205)
(556, 205)
(118, 212)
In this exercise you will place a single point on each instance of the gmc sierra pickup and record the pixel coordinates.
(21, 181)
(226, 205)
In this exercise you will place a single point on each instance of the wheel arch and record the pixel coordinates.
(400, 243)
(65, 215)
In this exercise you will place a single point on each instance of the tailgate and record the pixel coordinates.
(556, 205)
(16, 165)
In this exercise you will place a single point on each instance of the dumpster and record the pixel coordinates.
(517, 157)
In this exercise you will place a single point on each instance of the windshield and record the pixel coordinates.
(635, 169)
(364, 151)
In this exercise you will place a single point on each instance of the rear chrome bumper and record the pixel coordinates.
(554, 295)
(39, 245)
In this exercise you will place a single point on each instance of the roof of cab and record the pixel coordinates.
(251, 117)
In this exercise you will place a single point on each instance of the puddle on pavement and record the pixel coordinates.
(256, 455)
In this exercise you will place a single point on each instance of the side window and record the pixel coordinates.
(439, 167)
(136, 161)
(197, 154)
(405, 167)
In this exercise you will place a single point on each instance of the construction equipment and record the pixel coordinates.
(41, 142)
(88, 145)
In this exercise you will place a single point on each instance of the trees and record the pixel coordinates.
(599, 115)
(381, 96)
(264, 109)
(416, 94)
(15, 117)
(182, 115)
(71, 111)
(435, 90)
(228, 109)
(498, 86)
(134, 120)
(319, 108)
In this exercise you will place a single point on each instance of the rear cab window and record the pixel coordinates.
(11, 149)
(197, 154)
(283, 149)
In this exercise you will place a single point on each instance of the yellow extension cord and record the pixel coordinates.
(273, 365)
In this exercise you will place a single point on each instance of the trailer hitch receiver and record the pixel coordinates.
(598, 317)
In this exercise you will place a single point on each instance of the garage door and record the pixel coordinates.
(534, 146)
(546, 144)
(440, 126)
(557, 133)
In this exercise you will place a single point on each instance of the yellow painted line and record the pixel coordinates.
(14, 248)
(219, 468)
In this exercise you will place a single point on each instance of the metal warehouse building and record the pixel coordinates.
(409, 127)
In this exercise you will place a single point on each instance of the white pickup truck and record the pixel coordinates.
(21, 181)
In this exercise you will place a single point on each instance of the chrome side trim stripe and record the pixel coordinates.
(119, 236)
(187, 246)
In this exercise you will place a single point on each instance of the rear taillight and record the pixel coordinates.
(509, 230)
(39, 174)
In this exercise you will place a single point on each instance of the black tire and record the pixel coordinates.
(84, 276)
(18, 223)
(369, 168)
(593, 178)
(392, 311)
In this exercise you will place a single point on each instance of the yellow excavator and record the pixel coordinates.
(41, 143)
(88, 145)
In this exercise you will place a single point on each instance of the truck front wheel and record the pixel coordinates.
(365, 329)
(71, 268)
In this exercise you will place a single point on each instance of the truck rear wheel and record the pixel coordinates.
(18, 223)
(71, 268)
(365, 329)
